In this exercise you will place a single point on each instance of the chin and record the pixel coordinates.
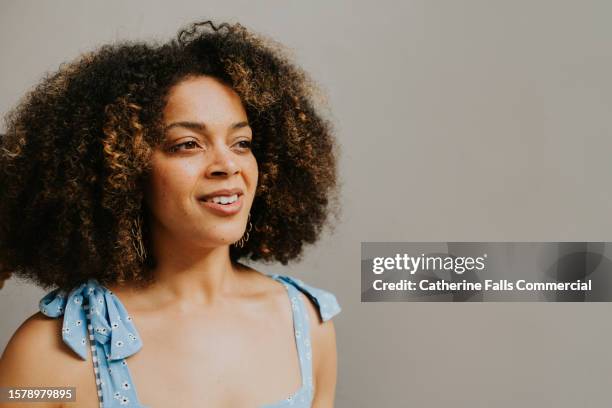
(221, 239)
(219, 234)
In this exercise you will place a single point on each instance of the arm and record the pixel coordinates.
(326, 366)
(36, 357)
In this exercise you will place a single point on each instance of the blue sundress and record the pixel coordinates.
(91, 311)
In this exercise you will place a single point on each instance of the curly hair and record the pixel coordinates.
(75, 156)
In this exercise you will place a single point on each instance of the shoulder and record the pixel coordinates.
(321, 307)
(36, 356)
(323, 338)
(38, 334)
(322, 303)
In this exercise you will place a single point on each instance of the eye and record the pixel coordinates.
(244, 144)
(188, 146)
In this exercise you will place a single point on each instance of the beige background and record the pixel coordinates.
(458, 120)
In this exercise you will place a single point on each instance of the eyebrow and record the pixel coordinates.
(201, 127)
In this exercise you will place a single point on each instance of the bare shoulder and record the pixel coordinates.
(35, 344)
(322, 333)
(323, 342)
(35, 356)
(320, 330)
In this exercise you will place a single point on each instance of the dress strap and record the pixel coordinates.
(301, 331)
(110, 320)
(327, 306)
(93, 312)
(94, 353)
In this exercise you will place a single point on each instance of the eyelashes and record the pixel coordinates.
(177, 147)
(192, 145)
(247, 144)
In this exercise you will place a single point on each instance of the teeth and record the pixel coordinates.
(224, 199)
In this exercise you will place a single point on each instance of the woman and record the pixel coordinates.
(134, 179)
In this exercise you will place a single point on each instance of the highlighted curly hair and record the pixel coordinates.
(75, 156)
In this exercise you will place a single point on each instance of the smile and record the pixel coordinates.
(223, 205)
(223, 199)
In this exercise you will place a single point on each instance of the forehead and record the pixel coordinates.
(204, 99)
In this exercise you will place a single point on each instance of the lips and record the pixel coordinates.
(223, 209)
(223, 192)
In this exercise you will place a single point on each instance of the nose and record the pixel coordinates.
(223, 163)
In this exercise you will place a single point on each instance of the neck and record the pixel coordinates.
(199, 275)
(190, 276)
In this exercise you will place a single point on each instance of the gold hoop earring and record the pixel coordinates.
(137, 238)
(240, 243)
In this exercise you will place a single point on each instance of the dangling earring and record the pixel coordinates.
(240, 243)
(137, 238)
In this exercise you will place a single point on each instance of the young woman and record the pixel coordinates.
(134, 180)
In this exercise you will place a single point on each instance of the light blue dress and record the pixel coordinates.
(93, 311)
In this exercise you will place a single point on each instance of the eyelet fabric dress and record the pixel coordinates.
(91, 311)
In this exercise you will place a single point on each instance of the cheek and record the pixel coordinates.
(252, 170)
(156, 193)
(168, 184)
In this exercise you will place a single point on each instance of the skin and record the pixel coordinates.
(223, 330)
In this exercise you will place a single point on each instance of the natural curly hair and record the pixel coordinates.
(75, 156)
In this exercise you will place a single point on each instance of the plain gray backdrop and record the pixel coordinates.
(457, 121)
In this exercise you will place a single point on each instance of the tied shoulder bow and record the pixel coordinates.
(92, 303)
